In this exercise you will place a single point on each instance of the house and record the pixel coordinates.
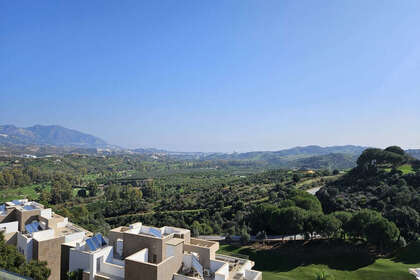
(38, 232)
(150, 253)
(136, 252)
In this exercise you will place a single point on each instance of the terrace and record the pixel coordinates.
(96, 258)
(239, 268)
(202, 243)
(192, 270)
(25, 205)
(139, 228)
(57, 226)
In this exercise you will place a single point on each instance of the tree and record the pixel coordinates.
(395, 149)
(329, 225)
(344, 218)
(81, 193)
(382, 233)
(261, 218)
(308, 202)
(75, 275)
(312, 224)
(408, 221)
(290, 220)
(245, 237)
(296, 178)
(372, 156)
(36, 270)
(45, 196)
(13, 261)
(93, 188)
(61, 191)
(360, 220)
(196, 228)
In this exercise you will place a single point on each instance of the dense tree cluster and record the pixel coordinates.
(377, 183)
(290, 220)
(393, 155)
(13, 261)
(17, 177)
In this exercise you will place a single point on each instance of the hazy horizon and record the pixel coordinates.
(281, 148)
(215, 76)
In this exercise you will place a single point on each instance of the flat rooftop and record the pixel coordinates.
(24, 205)
(139, 228)
(174, 241)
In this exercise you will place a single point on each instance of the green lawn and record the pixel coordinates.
(21, 192)
(278, 266)
(406, 169)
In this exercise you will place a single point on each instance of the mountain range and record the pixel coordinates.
(54, 135)
(55, 139)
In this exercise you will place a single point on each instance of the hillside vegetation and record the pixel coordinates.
(387, 181)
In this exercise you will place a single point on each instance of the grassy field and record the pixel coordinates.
(22, 192)
(277, 265)
(406, 169)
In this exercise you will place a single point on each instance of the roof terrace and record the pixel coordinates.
(239, 268)
(95, 257)
(24, 205)
(139, 228)
(57, 226)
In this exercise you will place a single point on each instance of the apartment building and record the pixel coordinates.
(136, 252)
(150, 253)
(38, 232)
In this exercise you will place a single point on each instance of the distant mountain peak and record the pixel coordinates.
(54, 135)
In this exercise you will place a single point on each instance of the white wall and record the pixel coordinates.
(9, 227)
(104, 252)
(46, 213)
(63, 223)
(78, 260)
(141, 256)
(170, 250)
(187, 259)
(77, 236)
(135, 228)
(110, 259)
(247, 266)
(222, 273)
(88, 262)
(25, 245)
(144, 229)
(167, 230)
(43, 235)
(215, 265)
(119, 247)
(112, 269)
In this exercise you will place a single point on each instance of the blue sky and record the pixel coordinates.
(215, 75)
